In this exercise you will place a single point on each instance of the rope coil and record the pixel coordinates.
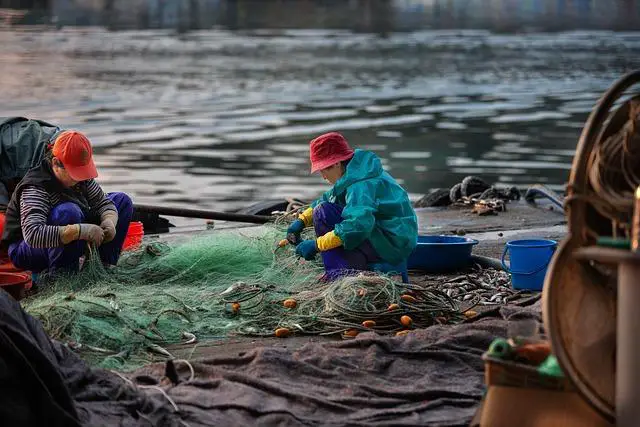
(612, 177)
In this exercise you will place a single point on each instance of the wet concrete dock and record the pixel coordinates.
(519, 215)
(521, 220)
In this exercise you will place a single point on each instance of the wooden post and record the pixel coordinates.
(628, 331)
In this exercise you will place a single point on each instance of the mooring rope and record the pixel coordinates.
(612, 168)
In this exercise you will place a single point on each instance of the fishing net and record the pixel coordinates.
(219, 284)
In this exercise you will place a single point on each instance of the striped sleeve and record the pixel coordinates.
(98, 201)
(34, 212)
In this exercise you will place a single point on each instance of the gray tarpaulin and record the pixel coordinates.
(431, 377)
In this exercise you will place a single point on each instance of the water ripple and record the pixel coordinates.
(219, 119)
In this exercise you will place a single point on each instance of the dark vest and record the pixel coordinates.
(41, 176)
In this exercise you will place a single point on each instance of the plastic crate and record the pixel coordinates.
(514, 374)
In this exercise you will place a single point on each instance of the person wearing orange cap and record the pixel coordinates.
(365, 218)
(58, 207)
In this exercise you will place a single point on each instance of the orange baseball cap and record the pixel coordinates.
(74, 150)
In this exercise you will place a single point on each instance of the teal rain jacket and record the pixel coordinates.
(376, 207)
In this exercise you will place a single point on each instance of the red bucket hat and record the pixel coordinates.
(327, 150)
(74, 150)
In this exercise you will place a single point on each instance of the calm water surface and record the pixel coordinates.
(219, 119)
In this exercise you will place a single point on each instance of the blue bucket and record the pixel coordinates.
(529, 262)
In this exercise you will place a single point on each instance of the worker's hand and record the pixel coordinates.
(296, 227)
(91, 233)
(108, 222)
(307, 249)
(109, 229)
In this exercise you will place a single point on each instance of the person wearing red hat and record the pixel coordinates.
(365, 218)
(58, 207)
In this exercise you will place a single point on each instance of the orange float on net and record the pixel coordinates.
(290, 303)
(282, 332)
(282, 243)
(406, 321)
(470, 313)
(369, 323)
(408, 298)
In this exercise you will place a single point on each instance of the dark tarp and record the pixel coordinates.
(432, 377)
(42, 383)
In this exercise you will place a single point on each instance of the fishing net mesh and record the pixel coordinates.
(219, 284)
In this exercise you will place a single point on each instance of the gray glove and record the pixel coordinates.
(108, 225)
(91, 233)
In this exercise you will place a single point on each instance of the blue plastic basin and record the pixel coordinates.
(436, 254)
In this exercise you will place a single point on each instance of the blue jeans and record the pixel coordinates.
(339, 261)
(66, 258)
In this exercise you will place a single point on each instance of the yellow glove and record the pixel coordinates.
(328, 241)
(307, 217)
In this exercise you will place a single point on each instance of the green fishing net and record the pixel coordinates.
(219, 284)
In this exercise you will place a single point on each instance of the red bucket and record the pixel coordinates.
(135, 233)
(8, 267)
(15, 283)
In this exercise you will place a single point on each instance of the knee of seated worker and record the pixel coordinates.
(65, 214)
(321, 219)
(122, 201)
(324, 211)
(317, 214)
(12, 253)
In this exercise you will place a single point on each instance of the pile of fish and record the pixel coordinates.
(486, 286)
